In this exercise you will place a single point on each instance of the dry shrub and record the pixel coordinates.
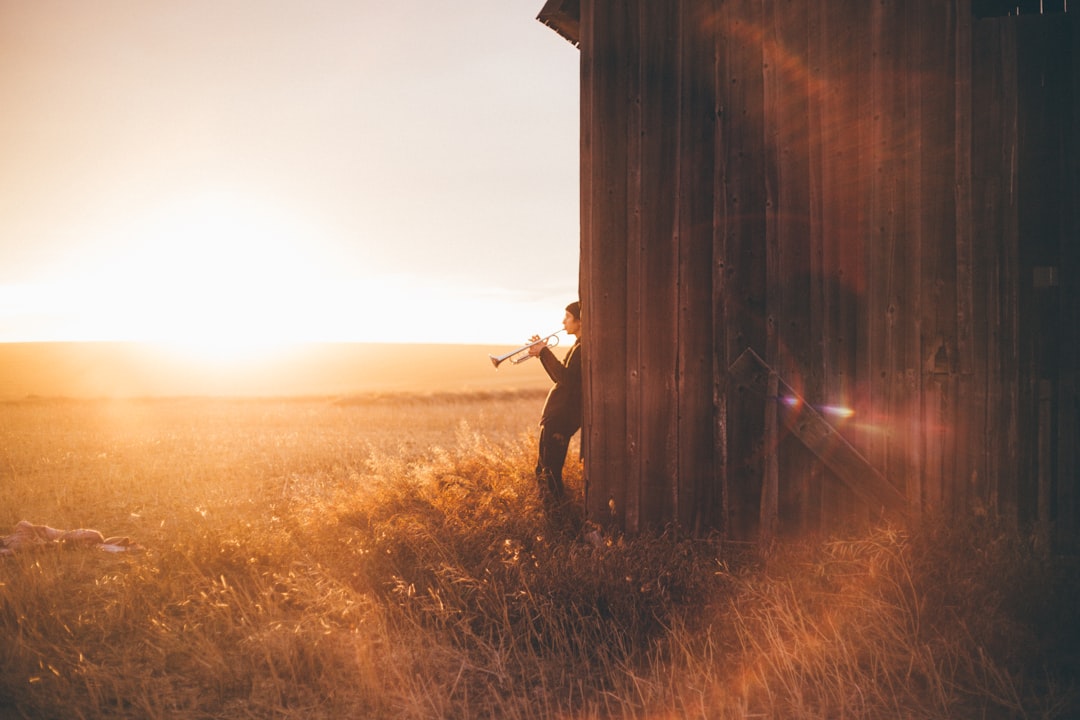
(518, 616)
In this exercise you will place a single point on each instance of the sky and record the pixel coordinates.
(224, 172)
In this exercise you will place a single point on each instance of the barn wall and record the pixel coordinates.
(864, 195)
(1024, 180)
(647, 281)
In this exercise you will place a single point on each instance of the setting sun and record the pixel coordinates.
(218, 272)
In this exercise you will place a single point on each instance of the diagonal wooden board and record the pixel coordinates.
(821, 438)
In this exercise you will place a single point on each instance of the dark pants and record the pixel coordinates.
(549, 465)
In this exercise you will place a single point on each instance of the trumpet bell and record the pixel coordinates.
(498, 360)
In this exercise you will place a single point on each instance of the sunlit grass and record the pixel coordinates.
(386, 557)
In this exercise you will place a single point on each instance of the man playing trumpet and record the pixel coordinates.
(561, 416)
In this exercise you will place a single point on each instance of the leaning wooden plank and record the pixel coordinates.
(821, 438)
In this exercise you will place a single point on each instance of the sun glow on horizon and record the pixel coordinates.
(221, 277)
(225, 352)
(212, 271)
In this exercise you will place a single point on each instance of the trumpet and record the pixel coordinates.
(551, 341)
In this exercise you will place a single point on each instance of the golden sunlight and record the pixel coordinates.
(226, 275)
(216, 275)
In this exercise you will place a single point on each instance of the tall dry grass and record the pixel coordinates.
(386, 557)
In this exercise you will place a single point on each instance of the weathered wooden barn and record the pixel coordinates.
(830, 257)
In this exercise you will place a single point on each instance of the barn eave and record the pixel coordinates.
(564, 17)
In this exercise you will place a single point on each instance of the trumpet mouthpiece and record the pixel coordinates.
(495, 361)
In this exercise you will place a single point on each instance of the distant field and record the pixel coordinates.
(81, 370)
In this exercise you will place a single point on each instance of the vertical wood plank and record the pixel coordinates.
(992, 182)
(1009, 276)
(1044, 460)
(971, 365)
(1008, 418)
(883, 310)
(843, 273)
(658, 293)
(773, 116)
(696, 410)
(910, 247)
(605, 45)
(932, 348)
(719, 504)
(637, 265)
(874, 172)
(1035, 203)
(1068, 499)
(591, 371)
(855, 391)
(770, 498)
(896, 204)
(984, 274)
(939, 221)
(797, 85)
(745, 278)
(823, 181)
(862, 252)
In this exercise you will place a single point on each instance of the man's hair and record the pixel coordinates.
(574, 309)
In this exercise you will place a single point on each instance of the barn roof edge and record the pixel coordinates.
(564, 17)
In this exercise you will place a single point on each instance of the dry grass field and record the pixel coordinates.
(384, 556)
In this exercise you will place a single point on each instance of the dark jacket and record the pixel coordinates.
(562, 409)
